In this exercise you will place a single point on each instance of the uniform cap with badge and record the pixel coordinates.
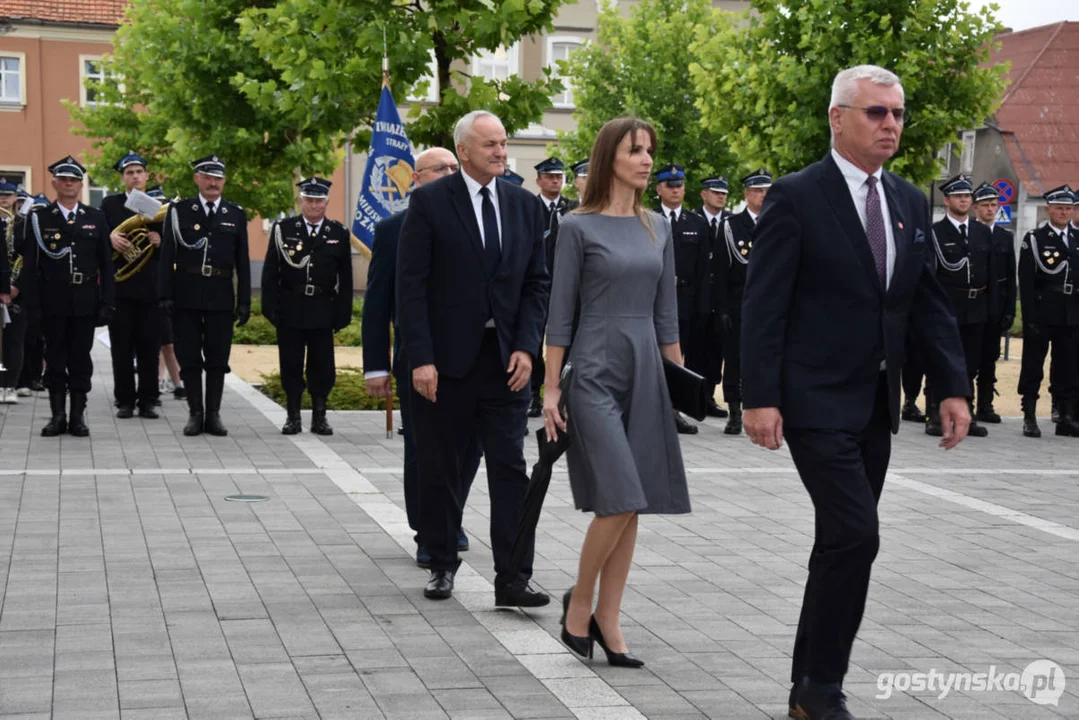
(580, 169)
(210, 165)
(512, 177)
(550, 166)
(717, 183)
(673, 175)
(156, 192)
(958, 185)
(7, 187)
(1062, 195)
(314, 187)
(759, 178)
(132, 158)
(985, 191)
(69, 167)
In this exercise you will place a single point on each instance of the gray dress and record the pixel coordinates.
(625, 454)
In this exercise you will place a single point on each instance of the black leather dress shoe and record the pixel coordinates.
(440, 586)
(520, 594)
(811, 705)
(684, 426)
(714, 410)
(911, 412)
(146, 410)
(125, 412)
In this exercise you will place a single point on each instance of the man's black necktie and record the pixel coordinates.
(209, 211)
(674, 217)
(963, 233)
(492, 246)
(715, 228)
(312, 230)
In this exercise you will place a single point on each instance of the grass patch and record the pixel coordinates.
(349, 392)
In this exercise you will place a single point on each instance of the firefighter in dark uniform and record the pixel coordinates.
(714, 192)
(737, 238)
(550, 177)
(962, 249)
(1002, 289)
(136, 327)
(25, 327)
(307, 295)
(580, 177)
(204, 245)
(33, 358)
(690, 233)
(1047, 258)
(76, 292)
(512, 177)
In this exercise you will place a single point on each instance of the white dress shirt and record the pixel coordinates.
(753, 216)
(667, 213)
(68, 213)
(477, 203)
(206, 203)
(1062, 232)
(961, 226)
(856, 182)
(313, 231)
(710, 217)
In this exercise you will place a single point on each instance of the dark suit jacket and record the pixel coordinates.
(379, 306)
(444, 294)
(1002, 274)
(957, 284)
(143, 284)
(816, 322)
(285, 301)
(91, 256)
(227, 251)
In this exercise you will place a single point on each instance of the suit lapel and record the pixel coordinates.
(504, 216)
(835, 190)
(462, 205)
(901, 226)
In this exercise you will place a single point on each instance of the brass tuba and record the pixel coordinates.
(9, 243)
(133, 259)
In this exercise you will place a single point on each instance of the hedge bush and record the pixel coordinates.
(349, 392)
(259, 331)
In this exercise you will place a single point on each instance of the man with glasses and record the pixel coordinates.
(962, 248)
(307, 295)
(379, 312)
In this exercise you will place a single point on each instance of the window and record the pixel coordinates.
(13, 79)
(945, 159)
(558, 49)
(497, 64)
(431, 77)
(91, 68)
(966, 159)
(93, 194)
(18, 175)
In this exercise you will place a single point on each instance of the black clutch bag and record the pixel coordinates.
(688, 390)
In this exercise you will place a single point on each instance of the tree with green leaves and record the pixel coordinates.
(765, 85)
(276, 88)
(640, 65)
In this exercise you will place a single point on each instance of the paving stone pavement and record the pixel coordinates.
(133, 589)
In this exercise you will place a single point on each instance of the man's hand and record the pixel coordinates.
(5, 299)
(954, 421)
(425, 380)
(155, 238)
(119, 241)
(242, 315)
(520, 370)
(764, 426)
(379, 387)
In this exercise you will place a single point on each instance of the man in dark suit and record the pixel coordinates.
(136, 327)
(472, 287)
(1002, 294)
(841, 270)
(378, 315)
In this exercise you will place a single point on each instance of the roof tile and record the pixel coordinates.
(90, 12)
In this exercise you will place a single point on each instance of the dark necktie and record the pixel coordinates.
(715, 228)
(312, 230)
(963, 233)
(492, 247)
(875, 232)
(674, 217)
(210, 211)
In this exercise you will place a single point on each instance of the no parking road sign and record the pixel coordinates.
(1006, 190)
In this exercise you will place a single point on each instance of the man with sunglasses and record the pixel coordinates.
(962, 249)
(841, 273)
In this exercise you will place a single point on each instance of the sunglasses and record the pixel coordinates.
(877, 113)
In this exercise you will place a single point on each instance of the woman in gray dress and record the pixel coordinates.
(614, 261)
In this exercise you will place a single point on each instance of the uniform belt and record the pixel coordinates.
(78, 278)
(968, 293)
(1065, 289)
(308, 290)
(205, 270)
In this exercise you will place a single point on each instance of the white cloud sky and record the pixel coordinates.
(1023, 14)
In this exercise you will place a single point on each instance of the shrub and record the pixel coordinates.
(259, 331)
(349, 392)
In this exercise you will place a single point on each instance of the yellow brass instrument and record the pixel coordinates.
(9, 243)
(133, 259)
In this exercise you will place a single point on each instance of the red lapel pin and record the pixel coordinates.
(900, 225)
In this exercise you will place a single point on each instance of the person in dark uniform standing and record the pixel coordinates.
(550, 177)
(204, 245)
(513, 178)
(737, 238)
(76, 292)
(580, 176)
(307, 295)
(690, 232)
(1002, 289)
(32, 357)
(714, 192)
(962, 250)
(1047, 258)
(136, 326)
(7, 253)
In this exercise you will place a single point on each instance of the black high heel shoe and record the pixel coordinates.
(580, 645)
(614, 659)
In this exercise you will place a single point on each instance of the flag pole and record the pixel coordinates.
(389, 397)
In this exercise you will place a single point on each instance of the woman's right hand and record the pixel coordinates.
(552, 418)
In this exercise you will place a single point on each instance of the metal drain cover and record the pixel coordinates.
(246, 498)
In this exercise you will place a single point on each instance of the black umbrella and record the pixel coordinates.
(549, 452)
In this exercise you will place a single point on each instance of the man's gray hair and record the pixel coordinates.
(845, 85)
(464, 125)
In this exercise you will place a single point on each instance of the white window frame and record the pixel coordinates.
(27, 174)
(21, 102)
(513, 60)
(88, 186)
(433, 90)
(83, 75)
(945, 158)
(966, 158)
(567, 95)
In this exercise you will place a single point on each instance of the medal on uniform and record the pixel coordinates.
(52, 246)
(197, 228)
(1050, 261)
(745, 252)
(57, 236)
(1056, 254)
(291, 253)
(299, 246)
(224, 211)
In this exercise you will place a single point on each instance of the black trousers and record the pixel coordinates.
(412, 472)
(68, 341)
(844, 474)
(539, 370)
(732, 351)
(1064, 340)
(477, 405)
(203, 340)
(135, 328)
(317, 344)
(33, 357)
(987, 359)
(972, 335)
(14, 337)
(713, 350)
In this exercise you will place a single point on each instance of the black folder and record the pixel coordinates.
(688, 390)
